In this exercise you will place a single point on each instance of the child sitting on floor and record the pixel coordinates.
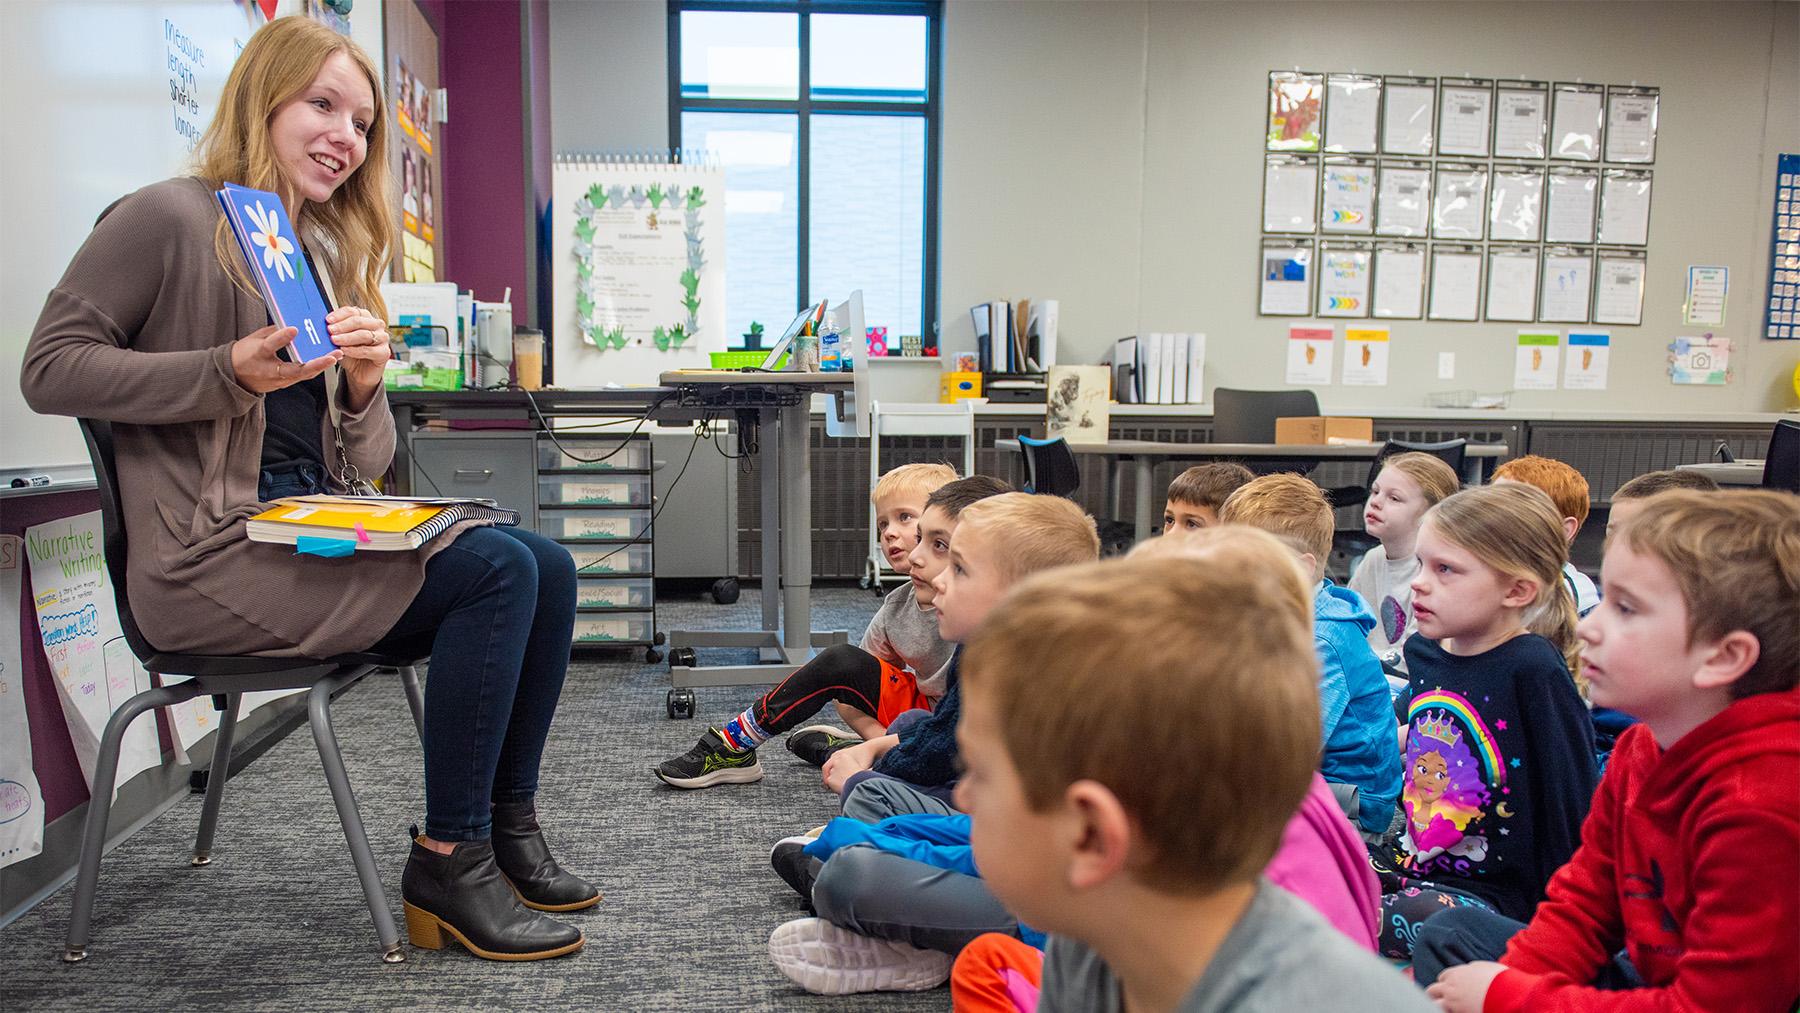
(1630, 497)
(1009, 536)
(1407, 485)
(1690, 857)
(1079, 690)
(888, 921)
(902, 664)
(1355, 702)
(1194, 498)
(1499, 748)
(1569, 491)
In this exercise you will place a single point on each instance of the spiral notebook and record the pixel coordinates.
(373, 523)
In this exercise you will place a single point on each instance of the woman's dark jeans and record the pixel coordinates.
(499, 608)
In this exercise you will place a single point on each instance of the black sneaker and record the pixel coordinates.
(816, 743)
(795, 867)
(710, 762)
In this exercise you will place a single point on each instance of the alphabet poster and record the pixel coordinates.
(78, 623)
(21, 804)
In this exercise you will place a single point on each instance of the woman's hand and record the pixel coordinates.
(362, 342)
(260, 370)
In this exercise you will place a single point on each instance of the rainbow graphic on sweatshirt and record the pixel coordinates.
(1483, 741)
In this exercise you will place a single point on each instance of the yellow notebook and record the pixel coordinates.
(379, 523)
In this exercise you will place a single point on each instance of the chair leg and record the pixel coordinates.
(93, 835)
(415, 698)
(215, 781)
(318, 706)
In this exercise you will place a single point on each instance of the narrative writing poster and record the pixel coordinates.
(21, 804)
(78, 624)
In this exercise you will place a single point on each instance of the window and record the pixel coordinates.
(824, 114)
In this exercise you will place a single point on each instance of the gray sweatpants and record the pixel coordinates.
(889, 897)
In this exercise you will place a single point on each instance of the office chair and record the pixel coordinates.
(1248, 416)
(1781, 468)
(225, 678)
(1050, 470)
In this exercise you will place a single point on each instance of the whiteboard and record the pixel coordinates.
(99, 98)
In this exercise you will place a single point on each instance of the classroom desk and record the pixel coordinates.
(777, 404)
(784, 402)
(1146, 455)
(1737, 473)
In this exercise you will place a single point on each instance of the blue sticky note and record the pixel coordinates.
(330, 548)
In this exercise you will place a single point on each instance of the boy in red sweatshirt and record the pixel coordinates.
(1690, 856)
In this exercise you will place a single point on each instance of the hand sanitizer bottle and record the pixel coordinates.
(831, 350)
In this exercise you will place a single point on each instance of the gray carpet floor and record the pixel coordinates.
(278, 922)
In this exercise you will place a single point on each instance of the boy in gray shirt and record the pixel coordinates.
(1075, 694)
(901, 665)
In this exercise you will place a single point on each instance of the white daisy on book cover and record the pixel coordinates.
(271, 249)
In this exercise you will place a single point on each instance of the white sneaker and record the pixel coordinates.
(827, 960)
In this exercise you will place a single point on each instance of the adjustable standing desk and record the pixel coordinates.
(778, 407)
(783, 403)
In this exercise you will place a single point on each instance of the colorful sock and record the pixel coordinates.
(742, 732)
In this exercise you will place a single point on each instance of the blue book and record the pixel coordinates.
(272, 249)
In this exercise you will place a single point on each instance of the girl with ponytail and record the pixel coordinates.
(1499, 746)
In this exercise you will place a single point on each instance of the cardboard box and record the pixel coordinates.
(1323, 429)
(958, 386)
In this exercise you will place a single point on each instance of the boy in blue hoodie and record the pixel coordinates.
(1356, 708)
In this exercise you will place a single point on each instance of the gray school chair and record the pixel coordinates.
(225, 679)
(1248, 416)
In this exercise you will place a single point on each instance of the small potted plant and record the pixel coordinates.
(753, 337)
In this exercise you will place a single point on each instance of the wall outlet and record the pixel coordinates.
(1446, 365)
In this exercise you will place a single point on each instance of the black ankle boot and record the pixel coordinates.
(525, 859)
(464, 895)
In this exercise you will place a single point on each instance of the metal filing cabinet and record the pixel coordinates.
(594, 495)
(488, 465)
(696, 521)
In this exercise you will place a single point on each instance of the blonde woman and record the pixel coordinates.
(156, 328)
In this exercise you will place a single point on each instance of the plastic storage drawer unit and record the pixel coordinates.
(627, 559)
(613, 593)
(578, 454)
(594, 525)
(621, 628)
(593, 490)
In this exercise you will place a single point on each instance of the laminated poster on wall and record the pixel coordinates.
(1534, 368)
(1585, 368)
(1309, 356)
(1344, 273)
(1703, 360)
(21, 804)
(1365, 356)
(1706, 291)
(78, 625)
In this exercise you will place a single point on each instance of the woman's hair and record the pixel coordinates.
(1436, 479)
(355, 229)
(1515, 529)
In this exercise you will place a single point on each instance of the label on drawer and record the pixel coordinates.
(596, 492)
(603, 629)
(597, 527)
(603, 595)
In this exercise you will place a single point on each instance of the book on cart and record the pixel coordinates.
(371, 523)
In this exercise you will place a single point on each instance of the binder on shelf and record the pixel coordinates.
(1196, 371)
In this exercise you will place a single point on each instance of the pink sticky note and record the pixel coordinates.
(361, 535)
